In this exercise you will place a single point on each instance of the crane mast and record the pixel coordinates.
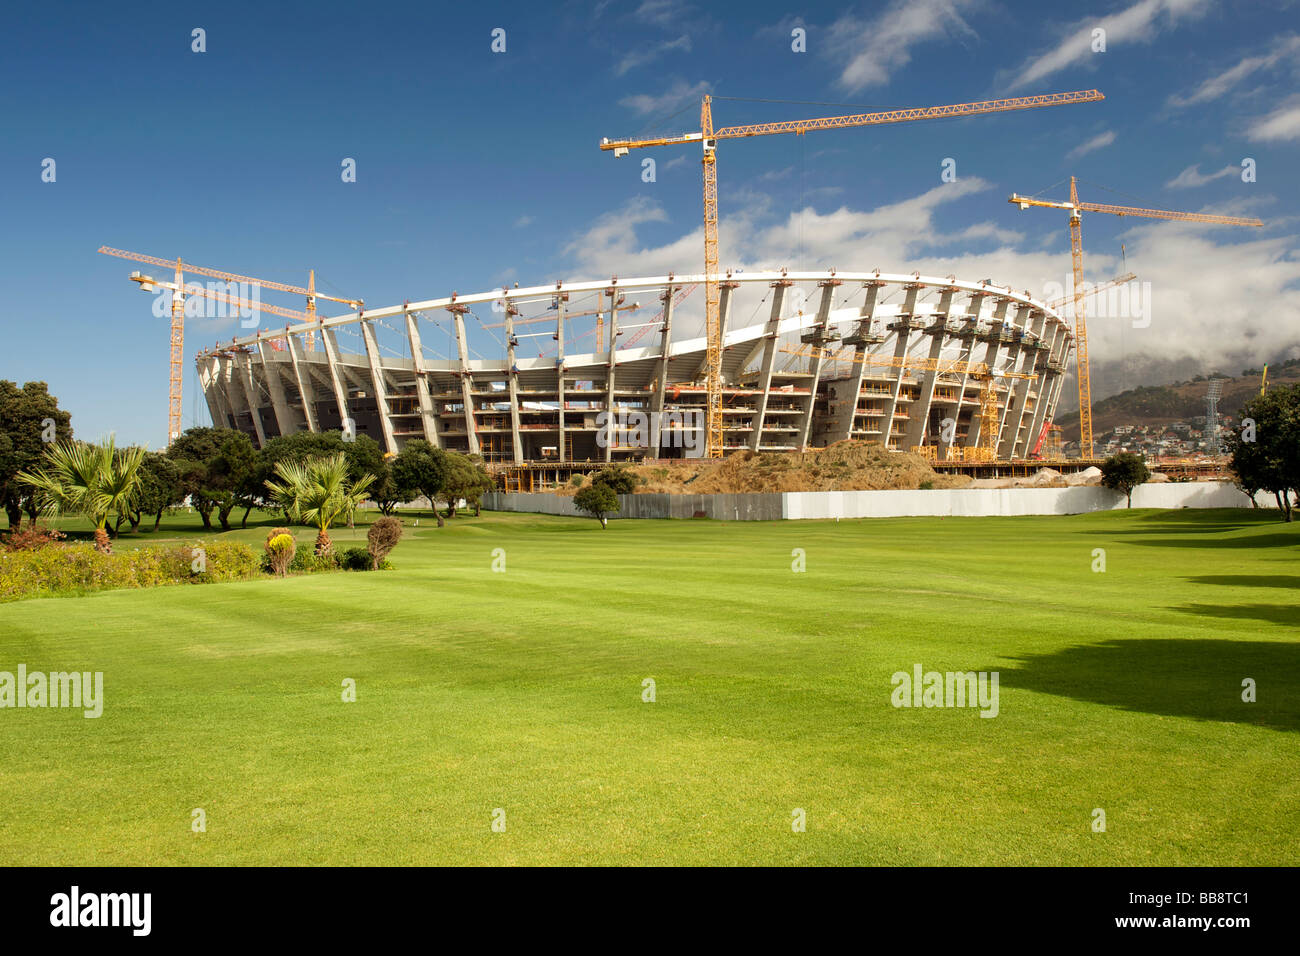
(708, 138)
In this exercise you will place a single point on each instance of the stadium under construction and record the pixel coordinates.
(965, 372)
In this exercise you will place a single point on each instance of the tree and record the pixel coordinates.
(91, 480)
(215, 466)
(1123, 473)
(468, 479)
(159, 489)
(231, 476)
(381, 539)
(30, 422)
(1266, 449)
(620, 480)
(598, 500)
(364, 457)
(319, 492)
(421, 469)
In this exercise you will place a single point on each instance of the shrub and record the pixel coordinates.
(31, 539)
(355, 559)
(381, 539)
(279, 552)
(927, 486)
(306, 562)
(576, 481)
(80, 567)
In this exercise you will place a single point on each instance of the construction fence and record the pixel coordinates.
(955, 502)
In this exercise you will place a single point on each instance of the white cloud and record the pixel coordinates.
(1219, 295)
(674, 96)
(641, 57)
(675, 162)
(661, 12)
(1192, 177)
(1282, 123)
(876, 49)
(1100, 141)
(1284, 49)
(1140, 23)
(523, 221)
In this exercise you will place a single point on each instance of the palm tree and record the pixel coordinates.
(317, 491)
(92, 480)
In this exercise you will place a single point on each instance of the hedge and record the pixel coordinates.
(79, 567)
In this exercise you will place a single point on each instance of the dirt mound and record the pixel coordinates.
(845, 466)
(1089, 477)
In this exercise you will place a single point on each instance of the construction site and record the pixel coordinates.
(965, 373)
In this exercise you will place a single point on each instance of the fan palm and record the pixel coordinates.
(317, 491)
(95, 480)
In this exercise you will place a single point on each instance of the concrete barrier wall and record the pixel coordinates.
(959, 502)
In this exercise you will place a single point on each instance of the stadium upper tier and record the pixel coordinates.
(809, 358)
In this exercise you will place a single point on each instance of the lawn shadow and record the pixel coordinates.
(1191, 677)
(1249, 580)
(1285, 614)
(1204, 528)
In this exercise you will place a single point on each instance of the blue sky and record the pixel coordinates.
(476, 168)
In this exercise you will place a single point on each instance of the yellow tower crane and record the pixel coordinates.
(1076, 209)
(179, 291)
(708, 137)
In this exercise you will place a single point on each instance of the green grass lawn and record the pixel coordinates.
(522, 690)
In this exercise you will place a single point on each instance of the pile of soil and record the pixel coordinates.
(845, 466)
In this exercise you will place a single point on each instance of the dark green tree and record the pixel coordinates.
(1123, 473)
(466, 478)
(420, 469)
(1265, 448)
(159, 489)
(618, 479)
(215, 466)
(598, 500)
(30, 423)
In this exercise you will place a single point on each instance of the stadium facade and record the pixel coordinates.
(910, 361)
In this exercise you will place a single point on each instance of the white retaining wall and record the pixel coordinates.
(957, 502)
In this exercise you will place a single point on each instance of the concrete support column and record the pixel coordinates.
(331, 344)
(209, 372)
(610, 360)
(250, 393)
(1044, 386)
(769, 359)
(1016, 388)
(284, 420)
(861, 340)
(380, 385)
(828, 287)
(1020, 443)
(428, 416)
(306, 387)
(661, 376)
(920, 420)
(725, 289)
(977, 423)
(560, 299)
(903, 336)
(466, 380)
(512, 383)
